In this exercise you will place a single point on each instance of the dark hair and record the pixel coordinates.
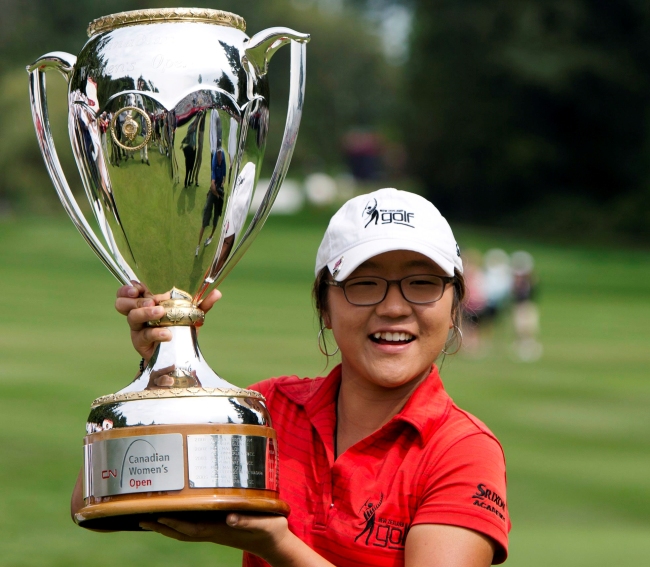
(320, 291)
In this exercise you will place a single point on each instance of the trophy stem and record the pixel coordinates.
(178, 364)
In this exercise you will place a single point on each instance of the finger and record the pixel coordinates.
(146, 339)
(161, 296)
(193, 530)
(150, 335)
(166, 531)
(164, 381)
(209, 300)
(165, 370)
(136, 289)
(124, 305)
(128, 291)
(139, 317)
(252, 523)
(160, 378)
(144, 290)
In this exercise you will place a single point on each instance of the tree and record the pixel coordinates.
(517, 104)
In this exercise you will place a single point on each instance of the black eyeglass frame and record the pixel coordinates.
(446, 280)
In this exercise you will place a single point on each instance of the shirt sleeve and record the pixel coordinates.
(265, 387)
(466, 487)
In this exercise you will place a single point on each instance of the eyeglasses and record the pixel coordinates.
(370, 290)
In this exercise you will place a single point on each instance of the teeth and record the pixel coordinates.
(393, 337)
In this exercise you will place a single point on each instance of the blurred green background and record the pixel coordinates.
(527, 122)
(574, 425)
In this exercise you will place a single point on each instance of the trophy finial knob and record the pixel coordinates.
(179, 311)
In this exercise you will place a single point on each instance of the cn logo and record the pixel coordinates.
(109, 473)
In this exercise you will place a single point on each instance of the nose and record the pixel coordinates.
(394, 304)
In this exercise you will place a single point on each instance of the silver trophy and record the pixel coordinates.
(168, 114)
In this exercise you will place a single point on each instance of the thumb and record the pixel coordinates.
(255, 523)
(209, 300)
(244, 522)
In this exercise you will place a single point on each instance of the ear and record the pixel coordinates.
(327, 320)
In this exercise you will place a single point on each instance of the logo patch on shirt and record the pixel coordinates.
(381, 531)
(489, 500)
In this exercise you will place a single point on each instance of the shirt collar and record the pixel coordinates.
(424, 410)
(427, 407)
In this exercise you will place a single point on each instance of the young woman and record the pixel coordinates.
(379, 466)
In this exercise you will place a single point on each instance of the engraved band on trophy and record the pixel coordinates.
(160, 104)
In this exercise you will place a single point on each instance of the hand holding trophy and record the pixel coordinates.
(168, 120)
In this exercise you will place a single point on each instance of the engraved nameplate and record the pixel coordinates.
(148, 463)
(231, 461)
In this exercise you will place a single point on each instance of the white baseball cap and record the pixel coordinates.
(383, 221)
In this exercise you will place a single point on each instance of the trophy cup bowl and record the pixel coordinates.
(160, 102)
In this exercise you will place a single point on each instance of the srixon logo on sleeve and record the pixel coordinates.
(375, 215)
(489, 500)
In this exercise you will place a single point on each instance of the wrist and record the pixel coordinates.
(281, 550)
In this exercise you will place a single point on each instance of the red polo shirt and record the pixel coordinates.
(431, 464)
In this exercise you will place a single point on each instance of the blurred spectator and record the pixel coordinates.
(505, 282)
(476, 303)
(363, 152)
(320, 189)
(498, 282)
(525, 313)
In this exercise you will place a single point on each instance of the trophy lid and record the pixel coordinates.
(158, 15)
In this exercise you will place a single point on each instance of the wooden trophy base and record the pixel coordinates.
(124, 512)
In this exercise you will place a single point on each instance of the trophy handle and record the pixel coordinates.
(64, 64)
(261, 47)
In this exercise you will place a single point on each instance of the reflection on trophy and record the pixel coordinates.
(168, 119)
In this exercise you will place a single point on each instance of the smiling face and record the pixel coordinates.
(393, 343)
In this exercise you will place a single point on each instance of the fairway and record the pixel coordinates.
(575, 425)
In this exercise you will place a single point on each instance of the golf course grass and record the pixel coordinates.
(575, 425)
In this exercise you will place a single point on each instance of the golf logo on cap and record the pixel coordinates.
(387, 216)
(371, 210)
